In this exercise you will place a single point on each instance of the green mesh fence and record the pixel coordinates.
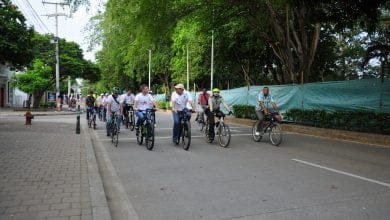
(367, 94)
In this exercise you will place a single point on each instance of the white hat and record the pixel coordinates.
(179, 86)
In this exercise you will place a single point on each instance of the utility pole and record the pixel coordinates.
(212, 61)
(150, 65)
(56, 15)
(188, 70)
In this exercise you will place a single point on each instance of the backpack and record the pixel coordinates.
(90, 101)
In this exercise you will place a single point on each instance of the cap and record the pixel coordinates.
(179, 86)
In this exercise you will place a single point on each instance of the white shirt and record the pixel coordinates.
(115, 106)
(144, 101)
(180, 101)
(104, 101)
(128, 99)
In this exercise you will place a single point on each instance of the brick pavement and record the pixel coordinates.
(43, 171)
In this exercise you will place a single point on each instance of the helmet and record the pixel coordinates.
(116, 90)
(216, 90)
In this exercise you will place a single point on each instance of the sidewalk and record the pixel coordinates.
(48, 172)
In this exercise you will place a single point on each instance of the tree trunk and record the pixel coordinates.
(37, 98)
(294, 41)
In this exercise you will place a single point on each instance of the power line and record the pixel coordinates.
(31, 15)
(37, 16)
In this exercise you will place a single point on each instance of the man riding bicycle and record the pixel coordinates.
(142, 102)
(113, 107)
(90, 103)
(265, 101)
(128, 101)
(215, 102)
(179, 99)
(203, 101)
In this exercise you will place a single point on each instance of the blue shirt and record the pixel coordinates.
(266, 99)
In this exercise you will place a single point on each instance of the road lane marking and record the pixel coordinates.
(343, 172)
(167, 137)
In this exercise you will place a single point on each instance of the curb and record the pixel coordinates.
(40, 114)
(351, 136)
(119, 204)
(100, 210)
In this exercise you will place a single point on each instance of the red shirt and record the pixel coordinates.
(203, 98)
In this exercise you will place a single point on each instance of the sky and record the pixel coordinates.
(69, 28)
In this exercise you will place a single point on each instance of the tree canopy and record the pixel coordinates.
(15, 36)
(256, 41)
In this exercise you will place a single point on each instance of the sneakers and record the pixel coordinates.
(258, 133)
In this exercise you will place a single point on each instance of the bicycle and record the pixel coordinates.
(114, 129)
(270, 125)
(130, 118)
(146, 129)
(185, 129)
(200, 121)
(92, 119)
(100, 113)
(221, 129)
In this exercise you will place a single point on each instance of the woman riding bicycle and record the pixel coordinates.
(179, 99)
(215, 102)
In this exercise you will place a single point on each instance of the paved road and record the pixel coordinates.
(305, 178)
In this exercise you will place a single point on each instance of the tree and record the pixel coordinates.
(42, 69)
(292, 28)
(15, 37)
(35, 81)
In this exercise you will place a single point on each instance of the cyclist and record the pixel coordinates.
(99, 105)
(114, 106)
(179, 98)
(215, 102)
(104, 103)
(127, 101)
(90, 103)
(265, 101)
(203, 101)
(142, 102)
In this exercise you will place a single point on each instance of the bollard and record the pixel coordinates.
(78, 108)
(78, 125)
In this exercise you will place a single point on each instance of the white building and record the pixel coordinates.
(9, 96)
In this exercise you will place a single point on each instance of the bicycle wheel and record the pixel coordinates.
(113, 131)
(200, 124)
(126, 122)
(223, 135)
(206, 133)
(275, 134)
(149, 139)
(116, 136)
(140, 137)
(94, 122)
(186, 135)
(132, 121)
(256, 134)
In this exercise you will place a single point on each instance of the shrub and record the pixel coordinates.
(164, 105)
(244, 111)
(360, 120)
